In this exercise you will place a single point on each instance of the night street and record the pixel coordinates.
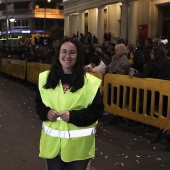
(118, 147)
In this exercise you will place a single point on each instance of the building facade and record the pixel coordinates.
(33, 18)
(131, 20)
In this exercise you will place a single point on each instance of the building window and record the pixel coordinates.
(39, 23)
(21, 24)
(25, 22)
(166, 21)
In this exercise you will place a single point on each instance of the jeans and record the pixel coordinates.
(57, 164)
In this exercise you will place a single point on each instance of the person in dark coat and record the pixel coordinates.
(165, 74)
(147, 49)
(152, 70)
(155, 65)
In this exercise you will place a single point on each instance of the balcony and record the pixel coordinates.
(37, 13)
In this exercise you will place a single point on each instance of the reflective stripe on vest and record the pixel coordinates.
(68, 134)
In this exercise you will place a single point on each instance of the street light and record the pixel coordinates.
(45, 17)
(12, 19)
(7, 23)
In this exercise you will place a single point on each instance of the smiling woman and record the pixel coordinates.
(68, 56)
(69, 103)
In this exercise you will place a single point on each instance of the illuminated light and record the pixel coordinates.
(25, 31)
(36, 6)
(75, 13)
(40, 31)
(12, 19)
(15, 31)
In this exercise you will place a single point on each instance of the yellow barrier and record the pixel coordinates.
(8, 66)
(100, 76)
(142, 100)
(19, 69)
(45, 67)
(2, 64)
(34, 69)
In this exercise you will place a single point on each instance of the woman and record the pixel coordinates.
(154, 67)
(119, 64)
(165, 74)
(137, 60)
(69, 104)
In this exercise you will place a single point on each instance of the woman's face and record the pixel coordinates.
(68, 56)
(131, 55)
(117, 51)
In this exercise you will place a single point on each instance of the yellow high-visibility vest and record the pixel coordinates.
(71, 142)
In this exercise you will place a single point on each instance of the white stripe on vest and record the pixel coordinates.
(68, 134)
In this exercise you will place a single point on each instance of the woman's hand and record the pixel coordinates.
(52, 115)
(65, 115)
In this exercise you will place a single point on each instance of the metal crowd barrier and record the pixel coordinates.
(140, 99)
(8, 66)
(18, 69)
(15, 68)
(33, 70)
(2, 64)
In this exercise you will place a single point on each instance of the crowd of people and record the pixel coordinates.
(31, 53)
(149, 59)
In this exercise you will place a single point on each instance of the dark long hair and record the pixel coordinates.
(158, 54)
(78, 73)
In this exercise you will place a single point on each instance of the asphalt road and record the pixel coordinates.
(118, 147)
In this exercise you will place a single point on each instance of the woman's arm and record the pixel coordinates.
(147, 72)
(42, 110)
(79, 118)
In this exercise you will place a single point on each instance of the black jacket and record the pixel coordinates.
(151, 70)
(165, 72)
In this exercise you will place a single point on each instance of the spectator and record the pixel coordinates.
(147, 49)
(89, 38)
(95, 40)
(119, 63)
(154, 65)
(96, 64)
(137, 60)
(82, 38)
(165, 73)
(99, 49)
(106, 57)
(89, 50)
(152, 70)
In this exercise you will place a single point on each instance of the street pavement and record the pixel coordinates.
(121, 146)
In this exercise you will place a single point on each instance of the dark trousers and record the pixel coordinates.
(57, 164)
